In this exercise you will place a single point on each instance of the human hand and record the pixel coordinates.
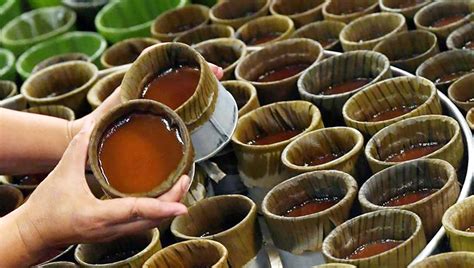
(63, 211)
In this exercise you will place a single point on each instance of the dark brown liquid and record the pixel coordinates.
(451, 77)
(117, 256)
(393, 113)
(29, 179)
(282, 73)
(274, 137)
(470, 229)
(409, 3)
(173, 87)
(264, 38)
(373, 248)
(229, 222)
(415, 152)
(448, 20)
(323, 159)
(347, 86)
(469, 45)
(311, 206)
(409, 198)
(138, 152)
(327, 42)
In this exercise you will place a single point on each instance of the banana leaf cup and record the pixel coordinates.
(89, 44)
(461, 38)
(125, 51)
(204, 33)
(347, 11)
(227, 219)
(408, 50)
(457, 221)
(421, 137)
(265, 31)
(393, 225)
(136, 249)
(184, 166)
(236, 14)
(189, 254)
(120, 20)
(432, 183)
(210, 113)
(460, 92)
(387, 102)
(316, 84)
(407, 8)
(443, 17)
(305, 233)
(260, 166)
(64, 84)
(447, 67)
(366, 32)
(173, 23)
(223, 52)
(302, 12)
(289, 58)
(325, 32)
(36, 26)
(337, 148)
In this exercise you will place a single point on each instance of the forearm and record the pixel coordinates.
(31, 143)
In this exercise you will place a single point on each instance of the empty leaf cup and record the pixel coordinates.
(36, 26)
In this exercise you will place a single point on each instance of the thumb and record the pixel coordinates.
(75, 155)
